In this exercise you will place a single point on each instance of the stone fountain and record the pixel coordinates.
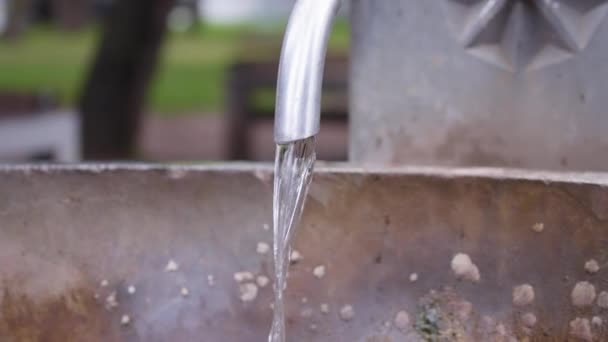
(467, 248)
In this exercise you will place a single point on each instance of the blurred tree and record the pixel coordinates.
(70, 14)
(113, 96)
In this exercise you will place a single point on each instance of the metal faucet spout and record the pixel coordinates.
(298, 104)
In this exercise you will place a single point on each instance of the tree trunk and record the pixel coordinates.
(114, 94)
(70, 14)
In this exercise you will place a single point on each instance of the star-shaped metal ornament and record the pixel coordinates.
(525, 34)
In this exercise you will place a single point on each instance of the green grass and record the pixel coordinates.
(46, 61)
(191, 75)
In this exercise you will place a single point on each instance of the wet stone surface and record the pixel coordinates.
(71, 249)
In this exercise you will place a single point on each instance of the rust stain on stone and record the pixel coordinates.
(73, 316)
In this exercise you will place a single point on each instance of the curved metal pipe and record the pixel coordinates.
(298, 105)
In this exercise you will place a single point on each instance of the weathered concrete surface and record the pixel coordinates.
(65, 230)
(424, 92)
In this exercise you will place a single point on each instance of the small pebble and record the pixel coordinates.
(580, 328)
(602, 300)
(319, 271)
(262, 281)
(131, 289)
(596, 320)
(464, 268)
(248, 292)
(240, 277)
(184, 292)
(295, 256)
(304, 300)
(583, 294)
(529, 320)
(501, 330)
(523, 295)
(347, 313)
(125, 320)
(262, 248)
(325, 308)
(402, 321)
(104, 283)
(266, 226)
(111, 301)
(592, 266)
(172, 266)
(538, 227)
(414, 277)
(210, 280)
(313, 327)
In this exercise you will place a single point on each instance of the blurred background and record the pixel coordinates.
(151, 80)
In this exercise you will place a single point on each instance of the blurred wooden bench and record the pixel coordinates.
(14, 104)
(31, 128)
(250, 95)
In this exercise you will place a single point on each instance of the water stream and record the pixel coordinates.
(293, 173)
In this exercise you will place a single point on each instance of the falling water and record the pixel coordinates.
(293, 173)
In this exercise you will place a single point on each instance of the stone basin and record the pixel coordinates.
(72, 236)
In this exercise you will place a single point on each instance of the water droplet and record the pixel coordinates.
(523, 295)
(319, 271)
(131, 289)
(583, 294)
(464, 268)
(347, 313)
(592, 266)
(248, 292)
(172, 266)
(262, 281)
(240, 277)
(125, 320)
(262, 248)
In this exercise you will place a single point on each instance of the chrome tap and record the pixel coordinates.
(298, 104)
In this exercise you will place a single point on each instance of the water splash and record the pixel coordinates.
(293, 173)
